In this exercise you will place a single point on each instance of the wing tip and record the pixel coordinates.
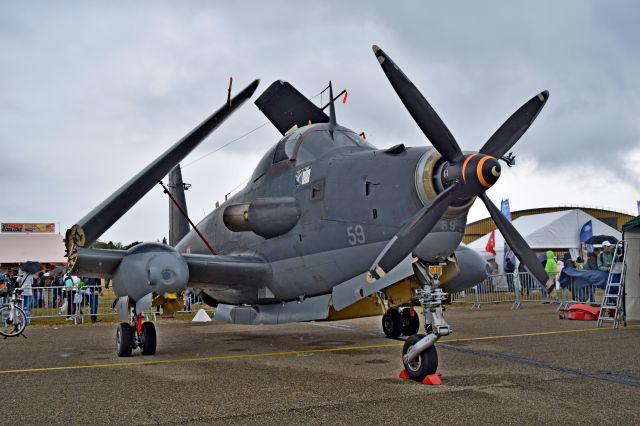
(543, 96)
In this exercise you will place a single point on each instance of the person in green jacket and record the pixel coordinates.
(605, 258)
(552, 269)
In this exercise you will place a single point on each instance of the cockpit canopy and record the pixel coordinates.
(308, 144)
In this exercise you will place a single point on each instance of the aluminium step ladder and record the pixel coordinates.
(612, 307)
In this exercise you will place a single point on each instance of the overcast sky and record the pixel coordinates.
(90, 93)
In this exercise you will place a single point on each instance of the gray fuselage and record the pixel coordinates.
(353, 198)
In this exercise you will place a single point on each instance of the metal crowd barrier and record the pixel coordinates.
(80, 304)
(522, 287)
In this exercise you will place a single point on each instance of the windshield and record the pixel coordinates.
(308, 144)
(316, 143)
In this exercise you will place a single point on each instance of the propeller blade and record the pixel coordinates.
(512, 130)
(516, 242)
(423, 114)
(95, 223)
(412, 233)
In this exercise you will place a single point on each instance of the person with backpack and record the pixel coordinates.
(70, 292)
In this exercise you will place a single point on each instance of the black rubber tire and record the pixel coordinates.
(148, 338)
(425, 364)
(410, 324)
(124, 339)
(15, 327)
(392, 323)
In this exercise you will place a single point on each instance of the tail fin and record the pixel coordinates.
(178, 224)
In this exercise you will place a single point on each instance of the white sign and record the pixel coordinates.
(303, 176)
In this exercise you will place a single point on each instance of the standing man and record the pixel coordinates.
(605, 258)
(94, 286)
(551, 267)
(25, 281)
(509, 269)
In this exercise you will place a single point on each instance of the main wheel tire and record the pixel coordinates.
(410, 323)
(148, 338)
(425, 364)
(392, 323)
(124, 339)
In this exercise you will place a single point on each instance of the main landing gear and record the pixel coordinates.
(398, 322)
(136, 334)
(419, 355)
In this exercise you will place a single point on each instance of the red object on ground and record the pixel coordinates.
(581, 312)
(432, 379)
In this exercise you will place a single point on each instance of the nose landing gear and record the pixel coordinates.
(419, 355)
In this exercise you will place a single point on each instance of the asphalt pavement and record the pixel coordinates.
(498, 367)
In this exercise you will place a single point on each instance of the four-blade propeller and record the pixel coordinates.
(464, 177)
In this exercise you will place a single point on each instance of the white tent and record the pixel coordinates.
(16, 247)
(555, 231)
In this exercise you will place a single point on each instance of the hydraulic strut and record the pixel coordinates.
(430, 297)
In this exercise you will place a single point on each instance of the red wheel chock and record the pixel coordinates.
(431, 379)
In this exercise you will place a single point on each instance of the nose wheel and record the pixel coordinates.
(423, 365)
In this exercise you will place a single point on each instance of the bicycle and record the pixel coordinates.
(13, 320)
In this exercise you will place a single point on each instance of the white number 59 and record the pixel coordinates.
(355, 235)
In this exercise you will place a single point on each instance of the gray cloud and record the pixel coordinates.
(91, 93)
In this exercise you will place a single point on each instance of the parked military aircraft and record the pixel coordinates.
(327, 228)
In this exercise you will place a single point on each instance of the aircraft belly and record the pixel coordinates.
(313, 308)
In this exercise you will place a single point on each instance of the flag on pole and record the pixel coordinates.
(638, 207)
(586, 231)
(505, 209)
(491, 244)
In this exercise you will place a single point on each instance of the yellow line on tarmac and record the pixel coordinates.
(287, 353)
(543, 333)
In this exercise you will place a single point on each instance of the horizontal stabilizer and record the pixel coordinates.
(285, 107)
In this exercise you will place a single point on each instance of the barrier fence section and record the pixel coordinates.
(83, 304)
(522, 287)
(91, 303)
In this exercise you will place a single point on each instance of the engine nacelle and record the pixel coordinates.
(267, 217)
(428, 180)
(150, 268)
(468, 269)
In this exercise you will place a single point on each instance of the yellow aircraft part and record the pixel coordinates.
(170, 304)
(402, 292)
(367, 307)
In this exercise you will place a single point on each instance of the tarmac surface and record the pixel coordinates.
(499, 366)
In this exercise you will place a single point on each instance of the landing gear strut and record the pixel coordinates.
(419, 354)
(136, 334)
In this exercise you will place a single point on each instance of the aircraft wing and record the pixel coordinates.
(230, 271)
(240, 272)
